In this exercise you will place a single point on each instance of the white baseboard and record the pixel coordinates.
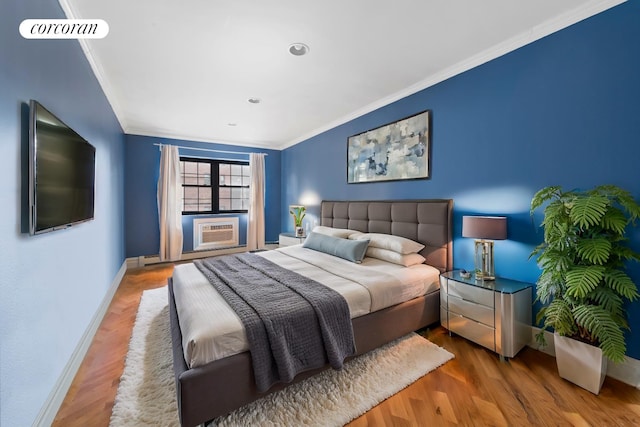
(627, 372)
(51, 406)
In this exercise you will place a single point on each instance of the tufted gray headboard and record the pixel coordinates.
(425, 221)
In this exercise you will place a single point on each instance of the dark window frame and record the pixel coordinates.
(214, 184)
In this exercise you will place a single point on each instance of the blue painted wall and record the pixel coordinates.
(142, 171)
(563, 110)
(51, 285)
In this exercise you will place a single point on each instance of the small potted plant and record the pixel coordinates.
(583, 283)
(298, 213)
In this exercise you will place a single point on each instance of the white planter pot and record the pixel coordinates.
(581, 363)
(299, 232)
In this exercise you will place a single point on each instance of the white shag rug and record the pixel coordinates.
(147, 397)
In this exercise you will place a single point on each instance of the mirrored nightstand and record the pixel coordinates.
(495, 314)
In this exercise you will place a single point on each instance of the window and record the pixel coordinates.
(214, 186)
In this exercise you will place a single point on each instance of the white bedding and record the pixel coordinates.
(211, 330)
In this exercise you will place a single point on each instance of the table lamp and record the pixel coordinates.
(485, 229)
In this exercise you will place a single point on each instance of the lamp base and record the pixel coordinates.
(480, 276)
(484, 260)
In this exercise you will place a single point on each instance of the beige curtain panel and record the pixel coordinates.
(255, 217)
(170, 204)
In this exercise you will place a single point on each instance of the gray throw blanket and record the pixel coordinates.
(293, 323)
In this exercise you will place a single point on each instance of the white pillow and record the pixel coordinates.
(397, 258)
(342, 233)
(390, 242)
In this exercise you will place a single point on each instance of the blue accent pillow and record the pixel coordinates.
(351, 250)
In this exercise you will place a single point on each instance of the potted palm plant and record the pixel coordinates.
(583, 283)
(298, 213)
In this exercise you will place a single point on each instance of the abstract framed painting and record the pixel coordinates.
(395, 151)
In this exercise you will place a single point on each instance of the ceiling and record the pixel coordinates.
(186, 69)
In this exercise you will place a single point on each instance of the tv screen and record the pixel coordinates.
(61, 173)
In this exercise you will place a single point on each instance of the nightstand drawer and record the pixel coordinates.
(474, 331)
(477, 312)
(470, 293)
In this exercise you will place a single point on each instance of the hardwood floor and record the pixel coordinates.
(474, 389)
(91, 395)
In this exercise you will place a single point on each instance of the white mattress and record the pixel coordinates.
(211, 330)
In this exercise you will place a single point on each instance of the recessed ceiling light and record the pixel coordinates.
(232, 124)
(254, 100)
(298, 49)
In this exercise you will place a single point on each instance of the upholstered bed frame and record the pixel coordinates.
(219, 387)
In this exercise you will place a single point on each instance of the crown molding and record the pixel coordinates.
(537, 32)
(98, 71)
(187, 137)
(548, 27)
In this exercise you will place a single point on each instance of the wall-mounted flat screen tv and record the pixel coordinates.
(61, 173)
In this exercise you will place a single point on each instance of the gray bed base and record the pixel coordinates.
(219, 387)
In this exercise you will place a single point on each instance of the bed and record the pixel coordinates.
(214, 388)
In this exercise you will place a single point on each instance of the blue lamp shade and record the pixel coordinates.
(485, 229)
